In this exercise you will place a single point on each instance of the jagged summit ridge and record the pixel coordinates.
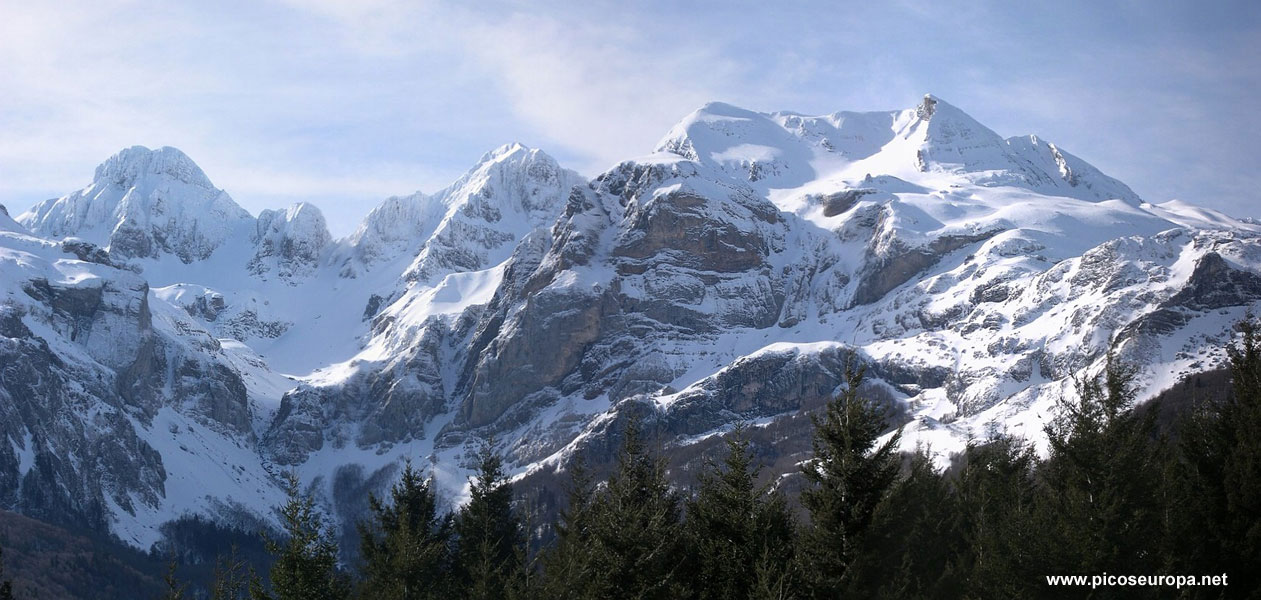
(503, 152)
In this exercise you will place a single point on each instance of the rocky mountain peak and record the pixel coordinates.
(501, 153)
(947, 127)
(926, 108)
(514, 157)
(514, 174)
(300, 222)
(510, 192)
(126, 168)
(289, 241)
(143, 203)
(395, 228)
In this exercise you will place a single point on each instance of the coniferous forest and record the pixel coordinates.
(1123, 491)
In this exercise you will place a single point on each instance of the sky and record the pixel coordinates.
(345, 103)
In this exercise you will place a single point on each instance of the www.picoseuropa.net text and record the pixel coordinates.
(1106, 580)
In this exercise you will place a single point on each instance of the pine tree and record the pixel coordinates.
(1101, 480)
(233, 578)
(740, 535)
(306, 559)
(908, 548)
(174, 587)
(1219, 476)
(567, 565)
(994, 498)
(406, 544)
(849, 475)
(1242, 465)
(630, 540)
(489, 540)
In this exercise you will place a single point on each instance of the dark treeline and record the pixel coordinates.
(1119, 493)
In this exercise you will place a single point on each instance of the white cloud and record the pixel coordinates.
(604, 90)
(601, 88)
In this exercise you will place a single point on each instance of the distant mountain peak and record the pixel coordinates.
(502, 151)
(723, 109)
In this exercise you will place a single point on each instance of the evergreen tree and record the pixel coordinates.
(1242, 465)
(567, 565)
(994, 499)
(233, 578)
(1101, 479)
(490, 545)
(629, 532)
(1219, 476)
(306, 559)
(406, 544)
(848, 476)
(740, 535)
(174, 587)
(908, 548)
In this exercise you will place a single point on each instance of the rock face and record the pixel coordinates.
(733, 275)
(52, 472)
(88, 371)
(395, 228)
(289, 243)
(682, 262)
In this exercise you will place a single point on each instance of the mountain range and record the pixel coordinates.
(165, 353)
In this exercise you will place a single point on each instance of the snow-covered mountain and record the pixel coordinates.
(166, 353)
(143, 204)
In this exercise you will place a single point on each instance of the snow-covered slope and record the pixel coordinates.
(8, 224)
(728, 276)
